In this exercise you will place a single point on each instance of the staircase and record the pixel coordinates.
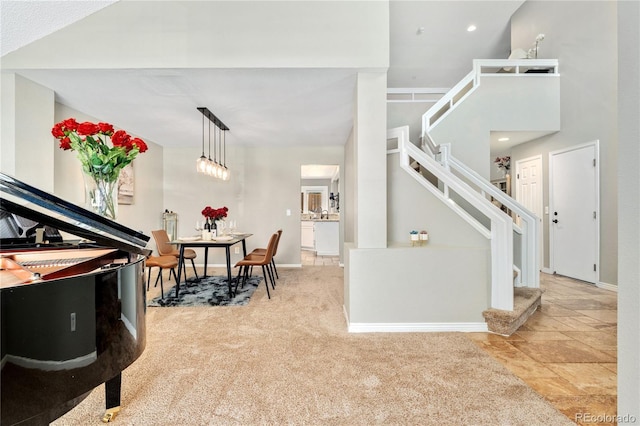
(515, 267)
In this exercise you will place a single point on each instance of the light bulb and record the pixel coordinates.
(201, 164)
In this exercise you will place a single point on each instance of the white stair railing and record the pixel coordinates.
(492, 68)
(529, 222)
(500, 232)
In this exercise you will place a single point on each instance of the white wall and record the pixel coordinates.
(8, 118)
(414, 288)
(587, 52)
(264, 184)
(348, 210)
(629, 210)
(407, 114)
(27, 147)
(410, 207)
(529, 103)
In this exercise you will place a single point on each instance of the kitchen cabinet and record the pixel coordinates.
(307, 237)
(327, 238)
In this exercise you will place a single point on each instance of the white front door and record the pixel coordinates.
(574, 212)
(528, 191)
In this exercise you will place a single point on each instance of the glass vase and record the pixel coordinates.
(101, 195)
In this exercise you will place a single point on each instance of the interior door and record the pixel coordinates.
(574, 213)
(528, 190)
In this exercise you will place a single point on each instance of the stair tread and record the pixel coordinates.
(525, 302)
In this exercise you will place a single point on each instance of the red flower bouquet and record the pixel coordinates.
(90, 141)
(215, 214)
(101, 163)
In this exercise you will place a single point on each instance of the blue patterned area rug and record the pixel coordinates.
(210, 291)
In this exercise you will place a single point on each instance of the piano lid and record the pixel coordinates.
(34, 204)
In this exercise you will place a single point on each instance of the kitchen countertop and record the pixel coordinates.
(309, 217)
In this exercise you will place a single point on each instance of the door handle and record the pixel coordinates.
(555, 220)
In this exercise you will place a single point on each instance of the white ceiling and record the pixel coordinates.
(319, 171)
(259, 106)
(269, 106)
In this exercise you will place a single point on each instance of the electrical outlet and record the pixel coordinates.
(237, 250)
(73, 321)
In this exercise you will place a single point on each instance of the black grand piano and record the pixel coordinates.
(72, 297)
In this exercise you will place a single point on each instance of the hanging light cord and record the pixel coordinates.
(224, 142)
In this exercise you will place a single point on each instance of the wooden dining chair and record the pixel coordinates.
(263, 251)
(257, 260)
(165, 248)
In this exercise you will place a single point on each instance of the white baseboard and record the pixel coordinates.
(607, 286)
(546, 271)
(429, 327)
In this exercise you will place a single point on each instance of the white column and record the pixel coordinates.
(371, 161)
(628, 213)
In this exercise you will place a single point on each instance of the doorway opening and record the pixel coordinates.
(320, 214)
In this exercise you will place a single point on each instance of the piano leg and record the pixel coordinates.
(112, 398)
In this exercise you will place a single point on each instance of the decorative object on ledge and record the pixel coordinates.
(101, 163)
(503, 163)
(533, 52)
(415, 238)
(205, 164)
(418, 238)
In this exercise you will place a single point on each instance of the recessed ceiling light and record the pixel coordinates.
(503, 139)
(471, 28)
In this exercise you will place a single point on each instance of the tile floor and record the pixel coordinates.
(567, 350)
(309, 257)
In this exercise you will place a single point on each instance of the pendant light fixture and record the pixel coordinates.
(216, 167)
(201, 163)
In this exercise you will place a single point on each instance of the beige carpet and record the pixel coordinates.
(289, 360)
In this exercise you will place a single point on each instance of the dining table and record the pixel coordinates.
(223, 241)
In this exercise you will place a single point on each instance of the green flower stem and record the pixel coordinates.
(106, 192)
(102, 196)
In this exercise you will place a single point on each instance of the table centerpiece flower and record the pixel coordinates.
(101, 163)
(211, 214)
